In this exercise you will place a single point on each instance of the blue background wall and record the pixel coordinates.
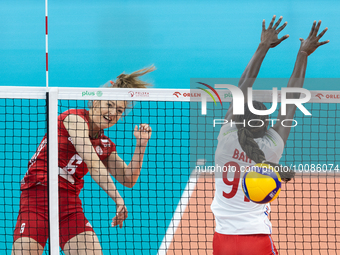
(91, 42)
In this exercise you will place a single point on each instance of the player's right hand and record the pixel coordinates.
(142, 134)
(269, 36)
(121, 215)
(312, 42)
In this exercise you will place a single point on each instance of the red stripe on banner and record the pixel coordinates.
(46, 61)
(46, 24)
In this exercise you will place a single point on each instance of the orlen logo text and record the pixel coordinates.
(331, 96)
(192, 94)
(177, 94)
(138, 94)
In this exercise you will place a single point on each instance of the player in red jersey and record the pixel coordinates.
(83, 148)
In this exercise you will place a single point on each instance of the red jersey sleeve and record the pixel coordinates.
(72, 168)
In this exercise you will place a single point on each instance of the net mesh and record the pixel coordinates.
(169, 207)
(304, 215)
(306, 221)
(152, 201)
(22, 125)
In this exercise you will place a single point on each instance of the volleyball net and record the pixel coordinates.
(169, 207)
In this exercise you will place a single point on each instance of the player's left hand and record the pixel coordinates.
(312, 42)
(142, 134)
(121, 215)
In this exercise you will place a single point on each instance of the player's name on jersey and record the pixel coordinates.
(241, 156)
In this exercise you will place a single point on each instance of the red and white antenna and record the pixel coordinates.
(46, 41)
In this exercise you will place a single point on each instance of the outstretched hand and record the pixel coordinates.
(309, 45)
(269, 36)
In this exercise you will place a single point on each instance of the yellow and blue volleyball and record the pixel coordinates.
(261, 183)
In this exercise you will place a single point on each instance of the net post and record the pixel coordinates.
(52, 165)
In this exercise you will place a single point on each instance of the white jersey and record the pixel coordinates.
(234, 213)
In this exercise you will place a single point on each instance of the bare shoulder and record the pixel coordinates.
(73, 119)
(75, 124)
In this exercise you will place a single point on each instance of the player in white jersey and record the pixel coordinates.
(243, 227)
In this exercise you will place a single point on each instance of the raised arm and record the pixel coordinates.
(269, 39)
(307, 47)
(128, 174)
(79, 132)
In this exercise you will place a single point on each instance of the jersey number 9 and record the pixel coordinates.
(235, 168)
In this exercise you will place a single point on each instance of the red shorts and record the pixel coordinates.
(32, 221)
(260, 244)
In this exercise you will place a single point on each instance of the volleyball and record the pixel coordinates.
(261, 183)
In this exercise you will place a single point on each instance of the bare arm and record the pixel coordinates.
(307, 47)
(79, 132)
(129, 174)
(269, 39)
